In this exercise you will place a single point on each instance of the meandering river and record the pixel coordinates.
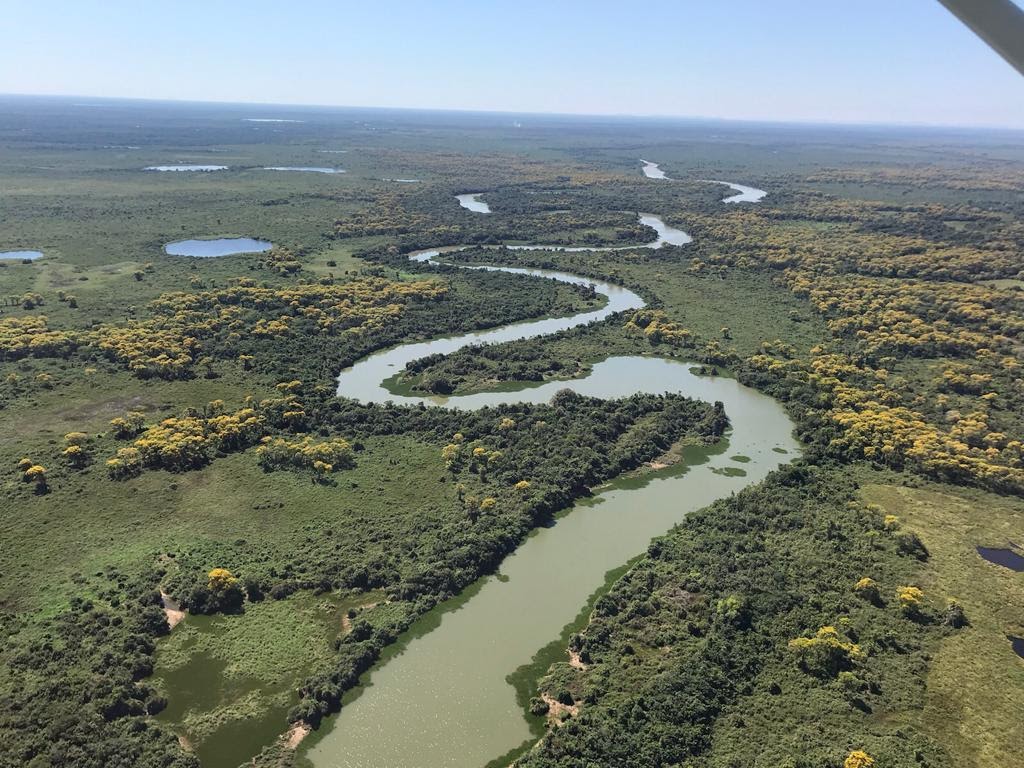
(441, 698)
(744, 194)
(473, 203)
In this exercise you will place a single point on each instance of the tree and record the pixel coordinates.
(733, 610)
(76, 456)
(955, 616)
(825, 654)
(223, 592)
(128, 425)
(910, 599)
(867, 588)
(36, 474)
(220, 579)
(858, 759)
(450, 454)
(321, 469)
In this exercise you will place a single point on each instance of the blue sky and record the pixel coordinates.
(902, 61)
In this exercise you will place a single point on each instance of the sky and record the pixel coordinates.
(875, 61)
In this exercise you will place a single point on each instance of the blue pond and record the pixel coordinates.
(303, 169)
(222, 246)
(20, 255)
(1017, 643)
(185, 168)
(1004, 557)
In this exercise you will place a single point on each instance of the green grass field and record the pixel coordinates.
(975, 682)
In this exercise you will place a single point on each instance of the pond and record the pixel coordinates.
(1017, 643)
(221, 246)
(185, 168)
(227, 697)
(303, 169)
(20, 255)
(1007, 558)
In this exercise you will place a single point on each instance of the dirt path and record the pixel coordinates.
(175, 615)
(346, 622)
(294, 736)
(558, 712)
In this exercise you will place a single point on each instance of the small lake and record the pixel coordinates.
(1007, 558)
(403, 181)
(473, 203)
(20, 255)
(1017, 643)
(221, 246)
(185, 168)
(303, 169)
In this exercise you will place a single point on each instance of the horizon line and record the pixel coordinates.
(821, 122)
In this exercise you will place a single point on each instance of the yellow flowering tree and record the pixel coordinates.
(858, 759)
(826, 653)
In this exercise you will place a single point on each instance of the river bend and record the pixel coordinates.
(440, 698)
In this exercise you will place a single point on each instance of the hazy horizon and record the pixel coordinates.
(288, 107)
(874, 63)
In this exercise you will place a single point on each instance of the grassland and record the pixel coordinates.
(975, 682)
